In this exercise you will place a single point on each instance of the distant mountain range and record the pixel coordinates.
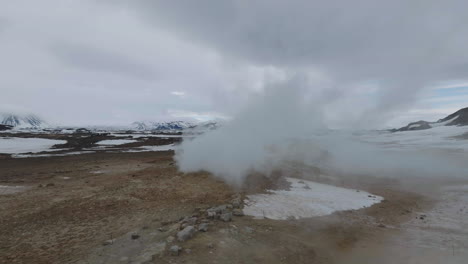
(30, 121)
(22, 121)
(459, 118)
(173, 125)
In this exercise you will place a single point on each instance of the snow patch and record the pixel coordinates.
(306, 199)
(115, 141)
(4, 189)
(12, 145)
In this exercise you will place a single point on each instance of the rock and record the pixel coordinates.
(229, 206)
(189, 220)
(188, 250)
(203, 227)
(210, 245)
(226, 217)
(211, 214)
(175, 250)
(170, 239)
(135, 236)
(186, 233)
(238, 212)
(219, 209)
(108, 242)
(236, 203)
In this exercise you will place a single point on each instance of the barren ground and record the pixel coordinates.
(74, 204)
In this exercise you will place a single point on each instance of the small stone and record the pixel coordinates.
(135, 236)
(170, 239)
(236, 203)
(186, 233)
(382, 226)
(229, 206)
(188, 250)
(203, 227)
(161, 229)
(226, 217)
(175, 250)
(211, 214)
(108, 242)
(238, 212)
(210, 245)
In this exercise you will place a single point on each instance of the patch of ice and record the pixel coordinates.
(116, 141)
(306, 199)
(5, 189)
(13, 145)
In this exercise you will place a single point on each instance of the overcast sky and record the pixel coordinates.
(108, 62)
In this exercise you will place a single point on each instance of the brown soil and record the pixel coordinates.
(75, 203)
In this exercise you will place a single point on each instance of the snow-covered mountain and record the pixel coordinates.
(162, 126)
(175, 126)
(459, 118)
(22, 121)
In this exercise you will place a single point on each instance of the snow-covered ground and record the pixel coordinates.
(113, 142)
(147, 135)
(437, 137)
(25, 145)
(306, 199)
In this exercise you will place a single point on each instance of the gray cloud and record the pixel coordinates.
(404, 45)
(99, 59)
(220, 53)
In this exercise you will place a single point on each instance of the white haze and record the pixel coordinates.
(283, 128)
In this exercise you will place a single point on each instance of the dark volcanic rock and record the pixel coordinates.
(420, 125)
(5, 127)
(460, 118)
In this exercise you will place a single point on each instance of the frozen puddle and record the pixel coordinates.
(116, 141)
(306, 199)
(25, 145)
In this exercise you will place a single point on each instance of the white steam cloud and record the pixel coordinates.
(283, 128)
